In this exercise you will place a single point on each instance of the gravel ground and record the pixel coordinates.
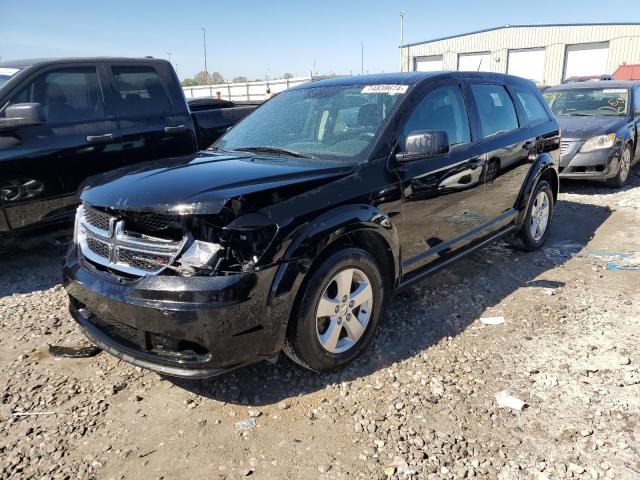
(420, 403)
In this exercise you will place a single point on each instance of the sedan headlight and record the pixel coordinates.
(599, 143)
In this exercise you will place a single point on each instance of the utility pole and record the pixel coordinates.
(401, 35)
(361, 58)
(204, 42)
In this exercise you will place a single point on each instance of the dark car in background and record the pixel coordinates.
(600, 122)
(63, 120)
(296, 227)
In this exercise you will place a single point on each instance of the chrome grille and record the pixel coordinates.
(118, 248)
(97, 219)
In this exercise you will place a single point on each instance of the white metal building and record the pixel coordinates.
(544, 53)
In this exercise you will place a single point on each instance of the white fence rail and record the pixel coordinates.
(249, 91)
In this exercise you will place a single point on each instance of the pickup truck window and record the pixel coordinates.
(66, 95)
(496, 109)
(533, 109)
(141, 90)
(441, 109)
(328, 122)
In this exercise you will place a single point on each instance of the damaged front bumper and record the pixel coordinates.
(596, 165)
(191, 327)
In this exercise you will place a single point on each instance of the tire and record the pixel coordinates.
(322, 293)
(625, 168)
(525, 239)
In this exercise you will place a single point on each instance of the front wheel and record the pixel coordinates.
(623, 170)
(338, 311)
(537, 221)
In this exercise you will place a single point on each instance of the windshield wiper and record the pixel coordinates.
(274, 150)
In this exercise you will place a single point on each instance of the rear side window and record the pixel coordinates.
(66, 95)
(141, 90)
(496, 109)
(441, 109)
(532, 106)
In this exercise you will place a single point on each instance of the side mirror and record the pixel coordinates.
(423, 144)
(22, 114)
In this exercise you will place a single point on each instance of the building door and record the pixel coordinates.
(527, 63)
(586, 59)
(428, 64)
(474, 62)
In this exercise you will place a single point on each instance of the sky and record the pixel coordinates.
(258, 39)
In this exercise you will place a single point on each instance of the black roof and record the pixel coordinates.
(21, 63)
(404, 78)
(517, 26)
(595, 84)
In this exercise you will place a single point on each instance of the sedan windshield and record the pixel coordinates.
(589, 101)
(322, 122)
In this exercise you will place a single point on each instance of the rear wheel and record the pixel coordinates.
(338, 311)
(537, 221)
(623, 171)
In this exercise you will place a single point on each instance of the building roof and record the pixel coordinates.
(518, 26)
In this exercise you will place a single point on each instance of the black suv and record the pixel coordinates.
(295, 228)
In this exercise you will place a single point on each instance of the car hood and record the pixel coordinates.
(203, 183)
(583, 128)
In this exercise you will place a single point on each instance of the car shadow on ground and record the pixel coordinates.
(443, 305)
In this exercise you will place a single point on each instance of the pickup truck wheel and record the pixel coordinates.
(537, 222)
(623, 171)
(338, 311)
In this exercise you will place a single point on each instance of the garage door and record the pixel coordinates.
(428, 64)
(528, 63)
(474, 62)
(586, 59)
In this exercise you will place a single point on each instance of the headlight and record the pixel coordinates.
(599, 143)
(200, 256)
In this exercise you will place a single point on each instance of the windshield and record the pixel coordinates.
(322, 122)
(6, 73)
(589, 101)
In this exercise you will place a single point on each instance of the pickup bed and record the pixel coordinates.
(64, 120)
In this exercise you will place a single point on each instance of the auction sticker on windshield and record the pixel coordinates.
(391, 89)
(8, 71)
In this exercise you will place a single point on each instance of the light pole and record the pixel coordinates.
(204, 43)
(401, 35)
(361, 58)
(168, 54)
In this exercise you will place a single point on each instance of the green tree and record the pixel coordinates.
(240, 79)
(189, 82)
(287, 76)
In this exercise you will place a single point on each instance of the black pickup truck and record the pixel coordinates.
(292, 231)
(63, 120)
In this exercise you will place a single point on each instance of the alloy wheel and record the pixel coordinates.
(625, 164)
(539, 216)
(344, 310)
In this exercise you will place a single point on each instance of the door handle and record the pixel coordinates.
(107, 137)
(175, 129)
(528, 145)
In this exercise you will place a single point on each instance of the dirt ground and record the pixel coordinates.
(419, 404)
